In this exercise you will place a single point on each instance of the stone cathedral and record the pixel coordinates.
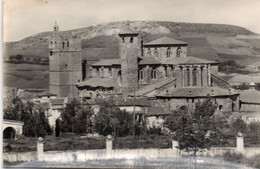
(157, 70)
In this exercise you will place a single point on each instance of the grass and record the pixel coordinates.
(70, 141)
(239, 158)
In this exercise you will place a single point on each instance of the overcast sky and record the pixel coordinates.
(23, 18)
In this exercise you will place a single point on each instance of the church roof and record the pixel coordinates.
(148, 61)
(250, 96)
(127, 31)
(107, 62)
(165, 41)
(195, 92)
(97, 82)
(144, 91)
(187, 60)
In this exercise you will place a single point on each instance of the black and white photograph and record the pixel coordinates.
(131, 84)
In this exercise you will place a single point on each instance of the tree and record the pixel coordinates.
(110, 120)
(35, 121)
(75, 117)
(198, 129)
(57, 128)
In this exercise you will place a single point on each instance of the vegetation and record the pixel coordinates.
(239, 158)
(198, 129)
(35, 122)
(230, 66)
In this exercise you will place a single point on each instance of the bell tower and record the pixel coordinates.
(65, 63)
(128, 51)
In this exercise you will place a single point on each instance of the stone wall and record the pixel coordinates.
(160, 52)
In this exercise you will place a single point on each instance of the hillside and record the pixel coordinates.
(208, 41)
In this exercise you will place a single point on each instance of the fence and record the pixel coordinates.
(110, 153)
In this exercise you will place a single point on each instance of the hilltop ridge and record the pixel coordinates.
(100, 41)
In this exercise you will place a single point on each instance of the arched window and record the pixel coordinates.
(220, 107)
(188, 78)
(194, 77)
(123, 40)
(51, 52)
(149, 52)
(68, 44)
(63, 45)
(141, 74)
(51, 43)
(110, 72)
(168, 53)
(155, 52)
(179, 52)
(153, 74)
(131, 40)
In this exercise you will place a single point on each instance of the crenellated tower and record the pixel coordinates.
(65, 63)
(129, 49)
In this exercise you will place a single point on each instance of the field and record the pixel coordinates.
(26, 76)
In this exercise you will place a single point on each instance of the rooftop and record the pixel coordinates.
(152, 87)
(107, 62)
(97, 82)
(250, 96)
(57, 101)
(165, 41)
(188, 60)
(195, 92)
(148, 60)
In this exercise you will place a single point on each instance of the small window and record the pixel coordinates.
(153, 74)
(179, 52)
(51, 52)
(141, 75)
(51, 42)
(168, 53)
(123, 40)
(156, 52)
(131, 40)
(63, 45)
(220, 107)
(149, 52)
(68, 44)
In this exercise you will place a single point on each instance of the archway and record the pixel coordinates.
(9, 133)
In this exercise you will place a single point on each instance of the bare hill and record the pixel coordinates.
(100, 41)
(208, 41)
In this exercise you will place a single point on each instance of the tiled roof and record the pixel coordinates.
(187, 60)
(250, 96)
(153, 87)
(155, 111)
(107, 62)
(43, 105)
(97, 82)
(165, 41)
(195, 92)
(45, 93)
(132, 101)
(148, 60)
(128, 31)
(57, 101)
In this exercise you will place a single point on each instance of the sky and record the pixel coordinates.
(22, 18)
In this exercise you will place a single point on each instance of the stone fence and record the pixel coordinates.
(110, 153)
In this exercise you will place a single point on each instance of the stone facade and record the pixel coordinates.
(65, 64)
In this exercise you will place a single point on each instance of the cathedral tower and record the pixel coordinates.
(129, 48)
(65, 63)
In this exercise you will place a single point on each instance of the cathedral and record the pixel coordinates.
(158, 70)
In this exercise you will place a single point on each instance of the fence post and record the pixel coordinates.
(109, 145)
(240, 142)
(175, 146)
(40, 147)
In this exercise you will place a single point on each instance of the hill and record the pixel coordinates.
(208, 41)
